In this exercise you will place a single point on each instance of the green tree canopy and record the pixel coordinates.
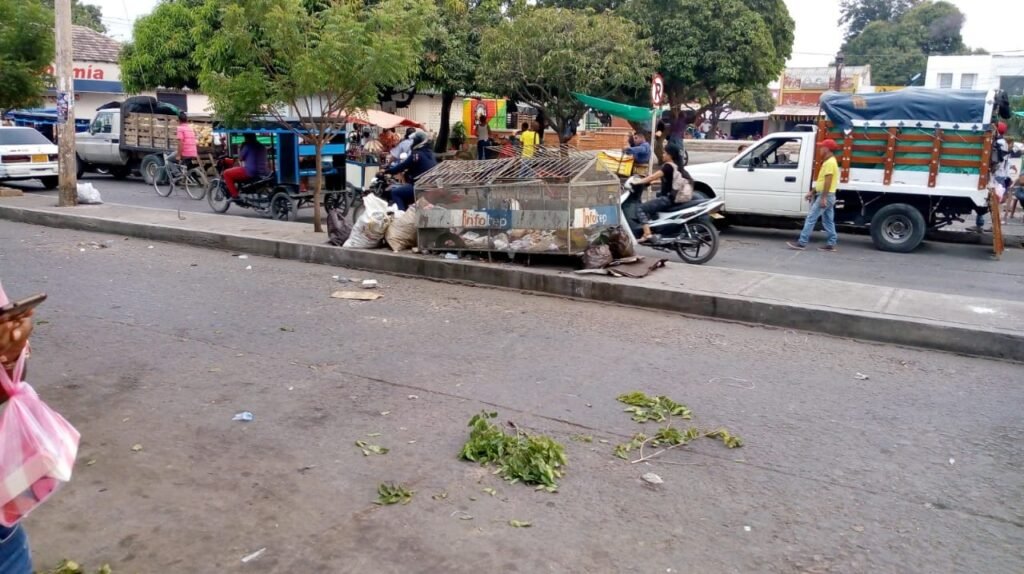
(544, 55)
(738, 45)
(162, 51)
(857, 14)
(88, 15)
(26, 49)
(898, 50)
(309, 59)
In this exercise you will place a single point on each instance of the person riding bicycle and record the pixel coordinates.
(254, 165)
(420, 159)
(188, 152)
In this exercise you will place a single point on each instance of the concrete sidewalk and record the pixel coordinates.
(975, 326)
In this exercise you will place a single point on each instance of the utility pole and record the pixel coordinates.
(840, 58)
(65, 105)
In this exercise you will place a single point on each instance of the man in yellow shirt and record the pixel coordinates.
(530, 138)
(822, 199)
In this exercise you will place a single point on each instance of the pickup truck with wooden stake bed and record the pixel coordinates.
(133, 136)
(910, 161)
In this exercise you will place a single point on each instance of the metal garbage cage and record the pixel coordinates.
(559, 201)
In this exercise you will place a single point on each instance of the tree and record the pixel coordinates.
(857, 14)
(26, 49)
(315, 60)
(451, 54)
(739, 45)
(162, 51)
(88, 15)
(544, 55)
(897, 50)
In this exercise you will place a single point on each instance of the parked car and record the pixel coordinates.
(27, 154)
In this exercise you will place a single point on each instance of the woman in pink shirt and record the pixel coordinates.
(188, 151)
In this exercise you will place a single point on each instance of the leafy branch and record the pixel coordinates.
(663, 409)
(532, 459)
(391, 493)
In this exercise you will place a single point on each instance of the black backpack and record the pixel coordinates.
(999, 152)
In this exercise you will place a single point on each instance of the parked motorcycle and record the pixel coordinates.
(686, 229)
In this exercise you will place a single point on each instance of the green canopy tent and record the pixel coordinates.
(626, 112)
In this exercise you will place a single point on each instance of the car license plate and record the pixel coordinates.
(40, 158)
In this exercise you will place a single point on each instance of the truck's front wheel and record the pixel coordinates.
(898, 228)
(150, 168)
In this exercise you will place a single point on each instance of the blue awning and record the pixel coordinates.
(94, 87)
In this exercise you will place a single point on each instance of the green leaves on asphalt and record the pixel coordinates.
(390, 493)
(72, 567)
(657, 409)
(664, 410)
(368, 448)
(522, 457)
(519, 524)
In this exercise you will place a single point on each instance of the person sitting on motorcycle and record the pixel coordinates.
(669, 194)
(254, 165)
(420, 159)
(403, 147)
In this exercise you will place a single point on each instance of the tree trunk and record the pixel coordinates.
(447, 99)
(318, 226)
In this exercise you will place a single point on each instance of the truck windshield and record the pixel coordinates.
(22, 136)
(776, 153)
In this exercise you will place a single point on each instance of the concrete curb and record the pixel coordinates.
(875, 327)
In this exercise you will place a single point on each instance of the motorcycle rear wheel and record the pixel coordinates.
(701, 243)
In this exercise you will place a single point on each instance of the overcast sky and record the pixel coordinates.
(818, 37)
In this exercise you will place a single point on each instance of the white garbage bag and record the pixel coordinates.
(88, 195)
(371, 226)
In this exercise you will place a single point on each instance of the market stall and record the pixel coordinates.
(557, 204)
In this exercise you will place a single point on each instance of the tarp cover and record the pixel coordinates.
(964, 107)
(626, 112)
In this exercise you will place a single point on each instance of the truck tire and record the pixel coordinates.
(898, 228)
(150, 168)
(120, 172)
(50, 182)
(79, 167)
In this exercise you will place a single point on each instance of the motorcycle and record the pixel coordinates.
(686, 229)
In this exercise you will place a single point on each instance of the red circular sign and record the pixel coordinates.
(657, 90)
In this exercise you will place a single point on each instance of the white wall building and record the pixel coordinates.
(980, 72)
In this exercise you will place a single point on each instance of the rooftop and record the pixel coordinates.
(91, 46)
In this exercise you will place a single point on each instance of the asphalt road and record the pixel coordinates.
(915, 469)
(938, 267)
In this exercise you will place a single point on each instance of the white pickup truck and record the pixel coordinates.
(132, 136)
(900, 177)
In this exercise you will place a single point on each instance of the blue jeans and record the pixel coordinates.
(14, 554)
(404, 195)
(481, 149)
(827, 215)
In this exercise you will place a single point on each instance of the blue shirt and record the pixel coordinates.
(641, 153)
(418, 162)
(255, 159)
(405, 146)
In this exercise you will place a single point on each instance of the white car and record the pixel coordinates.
(27, 154)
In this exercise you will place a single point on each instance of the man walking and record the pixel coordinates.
(822, 199)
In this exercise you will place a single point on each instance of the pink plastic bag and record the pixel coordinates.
(37, 448)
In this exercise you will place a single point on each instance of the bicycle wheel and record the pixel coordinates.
(163, 183)
(195, 185)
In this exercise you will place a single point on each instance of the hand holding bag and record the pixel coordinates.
(37, 448)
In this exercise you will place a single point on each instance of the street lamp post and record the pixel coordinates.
(840, 58)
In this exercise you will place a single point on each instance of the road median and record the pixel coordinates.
(906, 317)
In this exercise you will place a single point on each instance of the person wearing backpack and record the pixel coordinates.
(676, 186)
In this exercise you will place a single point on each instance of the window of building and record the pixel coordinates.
(968, 81)
(945, 81)
(1014, 85)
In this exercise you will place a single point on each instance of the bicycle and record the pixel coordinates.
(173, 174)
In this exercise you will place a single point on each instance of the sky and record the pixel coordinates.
(818, 36)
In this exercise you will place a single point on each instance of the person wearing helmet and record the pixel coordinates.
(421, 159)
(997, 167)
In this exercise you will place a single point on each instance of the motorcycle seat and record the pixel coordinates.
(257, 183)
(676, 208)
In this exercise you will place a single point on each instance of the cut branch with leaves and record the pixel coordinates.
(664, 410)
